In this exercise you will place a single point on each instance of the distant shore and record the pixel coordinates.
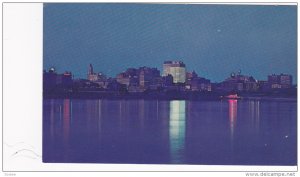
(167, 96)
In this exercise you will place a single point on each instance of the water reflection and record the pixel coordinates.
(66, 119)
(66, 125)
(232, 116)
(52, 119)
(177, 130)
(241, 132)
(254, 114)
(141, 107)
(99, 103)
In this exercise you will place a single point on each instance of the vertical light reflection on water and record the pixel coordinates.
(122, 115)
(257, 119)
(141, 108)
(156, 109)
(60, 113)
(99, 119)
(251, 111)
(254, 114)
(52, 119)
(71, 113)
(66, 125)
(177, 130)
(232, 116)
(66, 119)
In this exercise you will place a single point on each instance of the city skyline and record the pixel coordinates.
(174, 77)
(213, 40)
(95, 71)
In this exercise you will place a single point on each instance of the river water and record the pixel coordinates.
(230, 132)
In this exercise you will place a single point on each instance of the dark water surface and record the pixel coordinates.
(170, 132)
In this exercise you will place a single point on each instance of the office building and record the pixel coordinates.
(280, 81)
(175, 69)
(95, 77)
(239, 82)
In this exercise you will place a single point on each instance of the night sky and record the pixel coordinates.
(213, 40)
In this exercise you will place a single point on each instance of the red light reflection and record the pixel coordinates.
(232, 115)
(66, 117)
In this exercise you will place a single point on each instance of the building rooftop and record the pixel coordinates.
(175, 63)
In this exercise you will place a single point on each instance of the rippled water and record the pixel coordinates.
(170, 132)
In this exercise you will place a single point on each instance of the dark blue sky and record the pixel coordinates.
(213, 40)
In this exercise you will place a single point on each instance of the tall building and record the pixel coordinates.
(123, 78)
(280, 81)
(239, 82)
(49, 79)
(95, 77)
(148, 77)
(64, 79)
(91, 76)
(128, 77)
(196, 83)
(90, 70)
(141, 79)
(175, 69)
(286, 80)
(52, 80)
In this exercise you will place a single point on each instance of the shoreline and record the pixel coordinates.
(166, 96)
